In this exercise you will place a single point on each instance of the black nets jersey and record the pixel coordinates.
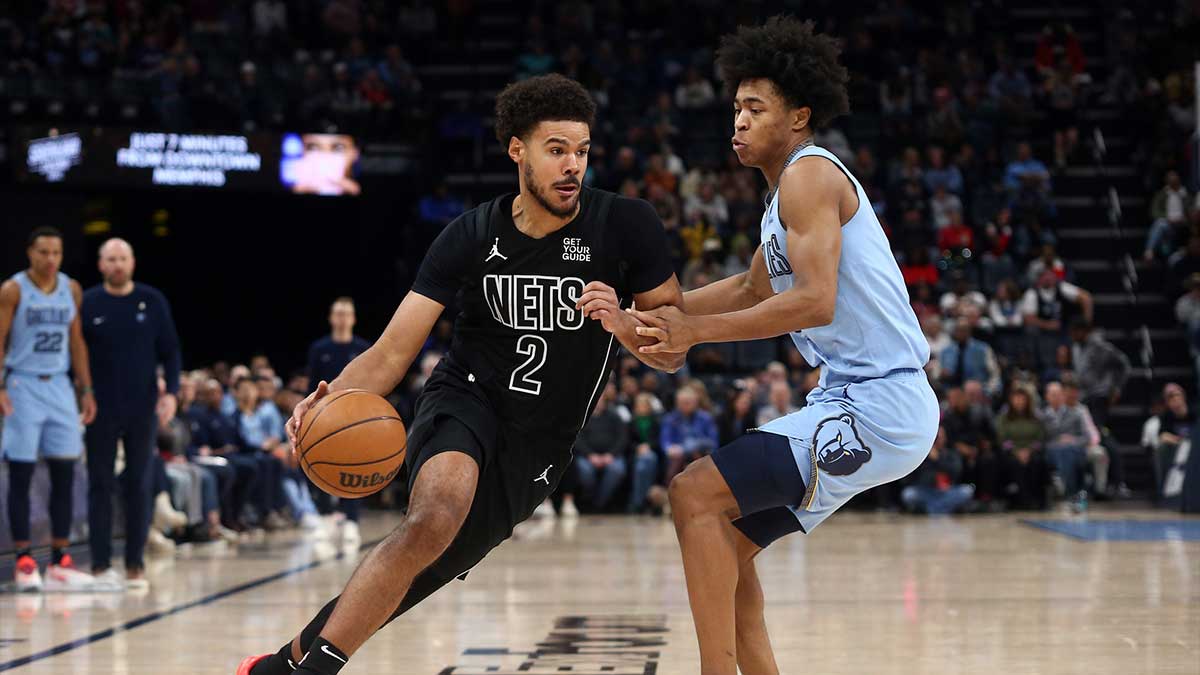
(541, 363)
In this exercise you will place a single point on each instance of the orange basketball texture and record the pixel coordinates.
(351, 443)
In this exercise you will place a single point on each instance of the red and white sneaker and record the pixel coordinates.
(64, 578)
(26, 576)
(249, 662)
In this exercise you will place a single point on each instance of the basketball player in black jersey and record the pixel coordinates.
(540, 279)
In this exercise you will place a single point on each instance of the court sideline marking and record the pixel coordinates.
(155, 616)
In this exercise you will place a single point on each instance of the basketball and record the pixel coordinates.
(351, 443)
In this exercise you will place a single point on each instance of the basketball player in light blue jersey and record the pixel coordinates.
(41, 340)
(825, 275)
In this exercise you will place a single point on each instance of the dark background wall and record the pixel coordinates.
(244, 272)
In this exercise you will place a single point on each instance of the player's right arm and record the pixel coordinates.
(10, 297)
(731, 294)
(381, 368)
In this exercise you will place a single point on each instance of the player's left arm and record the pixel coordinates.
(810, 196)
(79, 359)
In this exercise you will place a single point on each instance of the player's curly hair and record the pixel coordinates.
(801, 63)
(523, 104)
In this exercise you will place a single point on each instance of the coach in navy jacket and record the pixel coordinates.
(129, 333)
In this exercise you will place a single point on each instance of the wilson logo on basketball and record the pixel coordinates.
(357, 481)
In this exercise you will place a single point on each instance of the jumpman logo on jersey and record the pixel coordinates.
(496, 252)
(545, 475)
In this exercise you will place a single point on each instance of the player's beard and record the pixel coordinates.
(543, 199)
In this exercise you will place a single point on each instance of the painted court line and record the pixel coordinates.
(155, 616)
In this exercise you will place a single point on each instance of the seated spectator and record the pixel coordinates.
(1020, 436)
(657, 174)
(1011, 89)
(258, 440)
(1181, 266)
(196, 489)
(694, 91)
(534, 61)
(970, 433)
(944, 206)
(600, 452)
(956, 239)
(938, 339)
(779, 403)
(917, 267)
(960, 295)
(996, 264)
(1004, 310)
(645, 434)
(1045, 311)
(1172, 443)
(1066, 440)
(944, 121)
(439, 208)
(1061, 95)
(1047, 260)
(1187, 312)
(215, 438)
(922, 301)
(1028, 183)
(738, 415)
(688, 432)
(908, 169)
(935, 487)
(1170, 212)
(967, 359)
(939, 176)
(1058, 43)
(709, 206)
(1097, 455)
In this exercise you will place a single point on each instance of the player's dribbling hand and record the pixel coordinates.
(666, 324)
(293, 424)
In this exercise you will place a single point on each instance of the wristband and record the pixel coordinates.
(84, 391)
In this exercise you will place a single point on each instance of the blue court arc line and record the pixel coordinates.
(155, 616)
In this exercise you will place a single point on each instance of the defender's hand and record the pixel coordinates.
(672, 328)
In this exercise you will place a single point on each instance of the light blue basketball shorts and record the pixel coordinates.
(45, 420)
(855, 435)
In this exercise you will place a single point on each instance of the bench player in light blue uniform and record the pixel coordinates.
(41, 340)
(825, 274)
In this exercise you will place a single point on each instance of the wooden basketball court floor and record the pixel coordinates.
(864, 593)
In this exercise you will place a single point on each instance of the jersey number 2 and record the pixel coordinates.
(533, 348)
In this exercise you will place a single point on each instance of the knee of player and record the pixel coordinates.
(684, 492)
(436, 523)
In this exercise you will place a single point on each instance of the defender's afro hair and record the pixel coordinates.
(801, 63)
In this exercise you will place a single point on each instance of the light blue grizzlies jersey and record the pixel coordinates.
(874, 329)
(39, 340)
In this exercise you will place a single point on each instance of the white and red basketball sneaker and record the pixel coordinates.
(26, 575)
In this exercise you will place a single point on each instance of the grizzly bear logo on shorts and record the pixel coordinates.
(839, 449)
